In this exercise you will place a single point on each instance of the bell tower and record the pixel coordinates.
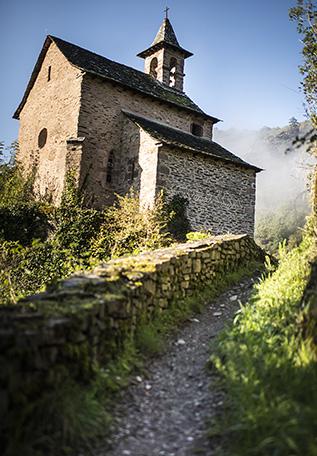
(164, 59)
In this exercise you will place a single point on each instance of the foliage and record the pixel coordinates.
(21, 217)
(268, 369)
(294, 125)
(197, 235)
(26, 270)
(179, 224)
(16, 186)
(305, 14)
(129, 230)
(285, 224)
(1, 153)
(41, 244)
(63, 418)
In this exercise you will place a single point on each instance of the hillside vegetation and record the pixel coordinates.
(40, 243)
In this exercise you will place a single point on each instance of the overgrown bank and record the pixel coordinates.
(269, 367)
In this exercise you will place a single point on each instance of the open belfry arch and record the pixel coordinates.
(117, 127)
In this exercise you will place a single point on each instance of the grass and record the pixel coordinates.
(268, 369)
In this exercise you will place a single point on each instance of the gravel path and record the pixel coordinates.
(166, 413)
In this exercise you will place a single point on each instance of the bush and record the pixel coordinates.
(128, 230)
(21, 217)
(27, 270)
(15, 188)
(178, 224)
(24, 223)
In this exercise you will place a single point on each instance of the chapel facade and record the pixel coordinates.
(118, 128)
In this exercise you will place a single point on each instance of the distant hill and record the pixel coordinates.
(286, 166)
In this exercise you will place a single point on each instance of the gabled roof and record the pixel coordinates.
(165, 37)
(183, 140)
(109, 70)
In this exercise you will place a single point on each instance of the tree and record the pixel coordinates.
(1, 153)
(305, 14)
(8, 153)
(293, 125)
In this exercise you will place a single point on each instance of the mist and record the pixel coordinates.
(286, 168)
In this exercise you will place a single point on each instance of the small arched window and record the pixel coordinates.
(49, 72)
(42, 138)
(153, 67)
(110, 168)
(172, 70)
(196, 129)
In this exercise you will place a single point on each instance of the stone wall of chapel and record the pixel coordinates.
(101, 122)
(221, 196)
(53, 105)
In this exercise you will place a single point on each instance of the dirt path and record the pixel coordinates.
(166, 413)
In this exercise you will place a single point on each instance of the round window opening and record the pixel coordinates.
(42, 138)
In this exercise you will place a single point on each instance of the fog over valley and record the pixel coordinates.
(286, 167)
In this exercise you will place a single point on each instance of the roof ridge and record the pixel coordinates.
(119, 73)
(165, 87)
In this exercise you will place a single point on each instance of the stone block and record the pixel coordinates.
(197, 265)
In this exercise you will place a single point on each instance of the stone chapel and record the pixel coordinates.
(116, 127)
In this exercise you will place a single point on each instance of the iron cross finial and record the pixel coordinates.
(166, 12)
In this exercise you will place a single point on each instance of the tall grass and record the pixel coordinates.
(269, 370)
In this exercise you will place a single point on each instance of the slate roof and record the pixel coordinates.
(183, 140)
(165, 37)
(109, 70)
(166, 33)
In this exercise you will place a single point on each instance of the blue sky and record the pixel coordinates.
(246, 52)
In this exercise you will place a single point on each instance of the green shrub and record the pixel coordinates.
(179, 224)
(27, 270)
(21, 217)
(128, 230)
(24, 222)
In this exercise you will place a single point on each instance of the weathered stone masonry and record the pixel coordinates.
(49, 338)
(220, 195)
(53, 105)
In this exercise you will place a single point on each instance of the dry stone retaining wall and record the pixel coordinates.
(60, 334)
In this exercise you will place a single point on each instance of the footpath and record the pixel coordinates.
(167, 411)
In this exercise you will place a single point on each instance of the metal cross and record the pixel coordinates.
(166, 12)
